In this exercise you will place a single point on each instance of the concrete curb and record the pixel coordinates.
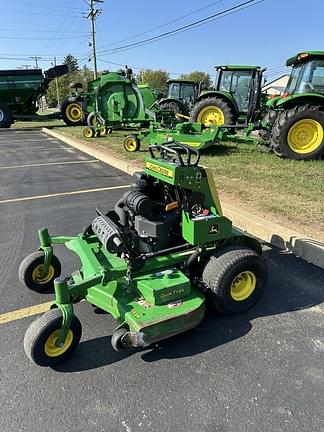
(304, 247)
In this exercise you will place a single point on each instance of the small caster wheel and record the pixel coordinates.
(103, 131)
(88, 132)
(132, 143)
(116, 339)
(41, 337)
(31, 272)
(97, 133)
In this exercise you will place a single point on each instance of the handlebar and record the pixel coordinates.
(172, 148)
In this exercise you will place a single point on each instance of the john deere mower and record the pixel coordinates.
(153, 262)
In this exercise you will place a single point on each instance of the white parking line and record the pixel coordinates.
(37, 197)
(46, 149)
(48, 164)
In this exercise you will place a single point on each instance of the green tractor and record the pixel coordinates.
(294, 122)
(234, 99)
(181, 97)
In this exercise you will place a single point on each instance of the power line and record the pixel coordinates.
(165, 24)
(15, 11)
(40, 38)
(218, 15)
(35, 31)
(36, 60)
(41, 5)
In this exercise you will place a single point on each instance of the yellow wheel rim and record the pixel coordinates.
(243, 286)
(130, 144)
(74, 112)
(103, 130)
(38, 276)
(88, 132)
(305, 136)
(211, 115)
(50, 348)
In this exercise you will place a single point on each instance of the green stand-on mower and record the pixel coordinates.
(152, 263)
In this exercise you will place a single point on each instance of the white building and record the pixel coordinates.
(277, 86)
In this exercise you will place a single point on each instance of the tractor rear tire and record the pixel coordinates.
(298, 133)
(235, 278)
(72, 112)
(213, 111)
(270, 118)
(176, 108)
(5, 116)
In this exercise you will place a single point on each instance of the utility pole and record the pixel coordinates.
(92, 15)
(57, 88)
(36, 60)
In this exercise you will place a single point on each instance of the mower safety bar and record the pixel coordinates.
(172, 147)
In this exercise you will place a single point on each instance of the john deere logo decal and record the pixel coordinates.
(159, 169)
(214, 229)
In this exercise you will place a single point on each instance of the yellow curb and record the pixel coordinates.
(300, 245)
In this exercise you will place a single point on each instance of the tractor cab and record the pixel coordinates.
(307, 75)
(181, 97)
(184, 90)
(241, 83)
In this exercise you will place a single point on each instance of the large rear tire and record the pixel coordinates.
(72, 112)
(176, 108)
(235, 278)
(213, 111)
(5, 116)
(298, 133)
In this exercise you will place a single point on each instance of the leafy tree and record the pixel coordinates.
(71, 62)
(155, 79)
(198, 76)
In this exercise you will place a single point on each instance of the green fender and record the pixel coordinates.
(296, 99)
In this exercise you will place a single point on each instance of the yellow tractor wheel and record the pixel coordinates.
(298, 133)
(213, 111)
(72, 113)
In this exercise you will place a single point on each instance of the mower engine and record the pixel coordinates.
(141, 222)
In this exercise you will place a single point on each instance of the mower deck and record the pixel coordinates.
(165, 304)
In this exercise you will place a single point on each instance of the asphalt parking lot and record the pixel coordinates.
(258, 372)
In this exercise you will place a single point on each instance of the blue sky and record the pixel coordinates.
(265, 34)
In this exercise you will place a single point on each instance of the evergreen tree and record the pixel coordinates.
(71, 62)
